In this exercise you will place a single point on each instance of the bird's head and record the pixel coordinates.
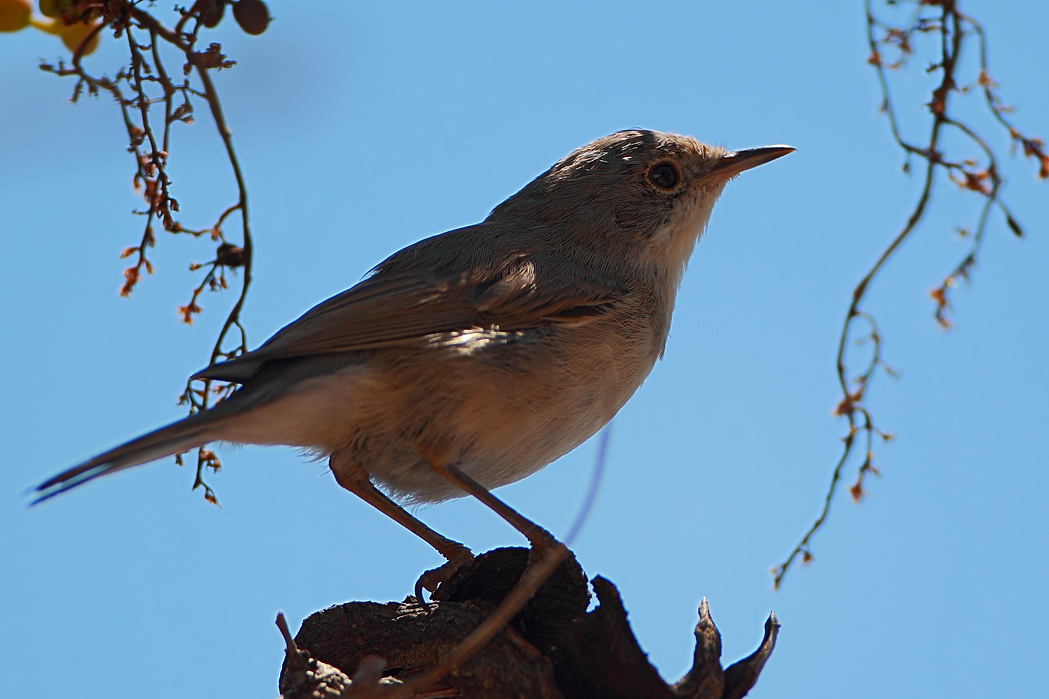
(643, 194)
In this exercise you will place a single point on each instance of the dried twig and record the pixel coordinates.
(944, 20)
(144, 83)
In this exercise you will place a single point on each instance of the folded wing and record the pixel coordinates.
(448, 283)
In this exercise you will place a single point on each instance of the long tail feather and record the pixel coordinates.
(172, 439)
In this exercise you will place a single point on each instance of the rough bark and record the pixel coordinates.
(553, 649)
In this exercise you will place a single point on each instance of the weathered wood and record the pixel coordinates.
(553, 649)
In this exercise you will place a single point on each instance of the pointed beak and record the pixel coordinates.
(736, 162)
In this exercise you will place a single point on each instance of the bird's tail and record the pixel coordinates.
(173, 439)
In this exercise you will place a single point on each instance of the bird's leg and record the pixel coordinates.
(355, 479)
(541, 539)
(547, 554)
(535, 574)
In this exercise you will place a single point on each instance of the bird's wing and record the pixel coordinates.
(420, 292)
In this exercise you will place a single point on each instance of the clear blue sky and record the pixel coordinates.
(363, 127)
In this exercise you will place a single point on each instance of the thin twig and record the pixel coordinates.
(150, 145)
(952, 27)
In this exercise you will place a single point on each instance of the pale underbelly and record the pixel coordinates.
(499, 421)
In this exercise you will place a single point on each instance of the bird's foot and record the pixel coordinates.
(544, 544)
(429, 580)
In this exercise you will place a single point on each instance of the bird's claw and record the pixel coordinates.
(432, 578)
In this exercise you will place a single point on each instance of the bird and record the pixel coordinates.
(472, 359)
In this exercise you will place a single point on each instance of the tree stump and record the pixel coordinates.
(553, 649)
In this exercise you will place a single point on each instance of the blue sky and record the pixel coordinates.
(363, 127)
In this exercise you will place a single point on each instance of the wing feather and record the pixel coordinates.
(457, 284)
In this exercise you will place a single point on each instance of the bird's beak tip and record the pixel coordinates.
(735, 162)
(759, 156)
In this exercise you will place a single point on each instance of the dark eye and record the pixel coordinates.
(664, 175)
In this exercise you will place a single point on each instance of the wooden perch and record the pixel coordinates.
(552, 649)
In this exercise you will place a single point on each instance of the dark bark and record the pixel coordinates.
(553, 649)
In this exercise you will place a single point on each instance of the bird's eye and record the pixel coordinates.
(664, 175)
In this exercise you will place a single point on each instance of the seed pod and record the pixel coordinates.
(14, 15)
(211, 12)
(76, 34)
(53, 8)
(252, 15)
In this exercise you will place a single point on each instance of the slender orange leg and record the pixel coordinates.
(540, 538)
(355, 479)
(547, 554)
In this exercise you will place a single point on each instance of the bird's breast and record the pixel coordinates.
(503, 406)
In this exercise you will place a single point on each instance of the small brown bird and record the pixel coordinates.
(474, 358)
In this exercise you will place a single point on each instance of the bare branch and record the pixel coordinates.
(944, 19)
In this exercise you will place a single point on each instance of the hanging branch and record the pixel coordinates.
(944, 20)
(142, 84)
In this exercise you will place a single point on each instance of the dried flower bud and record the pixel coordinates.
(229, 255)
(1014, 226)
